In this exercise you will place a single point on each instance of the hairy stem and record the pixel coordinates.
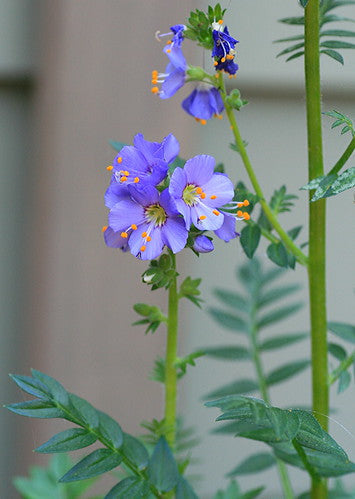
(270, 215)
(317, 218)
(170, 358)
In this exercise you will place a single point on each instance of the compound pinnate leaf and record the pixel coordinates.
(68, 440)
(98, 462)
(227, 320)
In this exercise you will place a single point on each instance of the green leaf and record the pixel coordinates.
(184, 490)
(344, 181)
(295, 56)
(254, 464)
(344, 331)
(233, 492)
(249, 239)
(291, 49)
(31, 386)
(84, 411)
(278, 254)
(303, 2)
(68, 440)
(278, 314)
(98, 462)
(189, 289)
(130, 488)
(234, 388)
(227, 320)
(286, 371)
(229, 352)
(336, 44)
(323, 186)
(231, 298)
(135, 451)
(162, 468)
(277, 293)
(251, 494)
(292, 20)
(344, 381)
(116, 145)
(282, 341)
(56, 390)
(337, 32)
(36, 409)
(337, 351)
(110, 430)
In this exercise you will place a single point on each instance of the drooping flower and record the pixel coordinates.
(204, 102)
(144, 162)
(202, 244)
(223, 49)
(149, 221)
(173, 47)
(198, 192)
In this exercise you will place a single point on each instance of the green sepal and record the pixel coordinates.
(160, 273)
(117, 145)
(182, 362)
(235, 101)
(162, 469)
(68, 440)
(189, 289)
(98, 462)
(154, 316)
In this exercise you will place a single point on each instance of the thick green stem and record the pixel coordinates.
(317, 215)
(344, 157)
(270, 215)
(170, 358)
(284, 478)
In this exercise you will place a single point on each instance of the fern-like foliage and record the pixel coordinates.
(341, 120)
(331, 40)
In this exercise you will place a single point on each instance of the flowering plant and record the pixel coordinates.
(160, 205)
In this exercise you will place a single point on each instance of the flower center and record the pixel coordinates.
(156, 214)
(189, 195)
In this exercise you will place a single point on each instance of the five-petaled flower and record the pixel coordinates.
(204, 102)
(148, 221)
(198, 192)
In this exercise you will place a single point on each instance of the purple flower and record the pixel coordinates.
(114, 239)
(149, 221)
(204, 102)
(234, 213)
(223, 49)
(198, 192)
(145, 162)
(203, 244)
(173, 46)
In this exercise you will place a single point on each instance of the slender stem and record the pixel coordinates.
(317, 217)
(170, 358)
(284, 478)
(344, 157)
(305, 461)
(286, 239)
(342, 367)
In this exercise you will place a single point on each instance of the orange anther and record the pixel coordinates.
(215, 63)
(203, 122)
(168, 51)
(230, 76)
(246, 202)
(202, 195)
(169, 42)
(133, 227)
(240, 205)
(143, 248)
(104, 228)
(109, 168)
(230, 56)
(154, 73)
(154, 81)
(136, 180)
(220, 21)
(215, 212)
(216, 75)
(223, 59)
(198, 190)
(197, 119)
(123, 179)
(213, 196)
(124, 235)
(239, 213)
(246, 216)
(149, 239)
(155, 90)
(220, 116)
(119, 159)
(202, 217)
(144, 234)
(126, 173)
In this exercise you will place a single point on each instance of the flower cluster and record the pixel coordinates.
(205, 101)
(151, 208)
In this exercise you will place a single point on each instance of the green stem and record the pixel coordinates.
(305, 461)
(344, 157)
(284, 478)
(342, 367)
(170, 358)
(317, 218)
(270, 215)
